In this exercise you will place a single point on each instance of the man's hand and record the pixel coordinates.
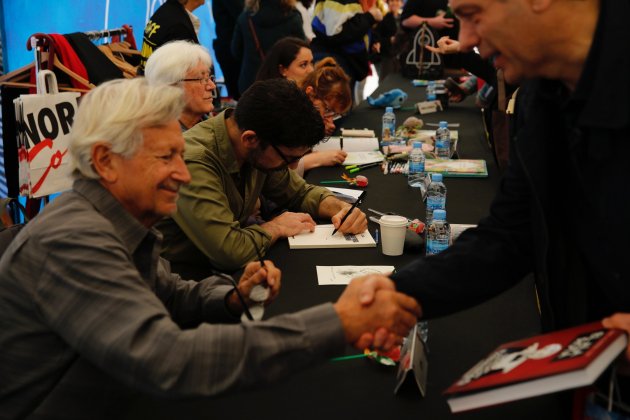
(445, 45)
(268, 276)
(381, 339)
(440, 22)
(376, 13)
(437, 22)
(390, 316)
(325, 158)
(355, 223)
(622, 322)
(289, 224)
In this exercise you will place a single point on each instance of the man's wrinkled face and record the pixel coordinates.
(504, 31)
(148, 182)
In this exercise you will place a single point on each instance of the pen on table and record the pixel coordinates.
(358, 168)
(334, 182)
(345, 216)
(376, 235)
(341, 142)
(361, 165)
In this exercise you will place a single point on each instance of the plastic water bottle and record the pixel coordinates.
(436, 196)
(438, 233)
(389, 124)
(443, 141)
(430, 89)
(415, 177)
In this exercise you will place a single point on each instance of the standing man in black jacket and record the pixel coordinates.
(563, 206)
(225, 13)
(171, 21)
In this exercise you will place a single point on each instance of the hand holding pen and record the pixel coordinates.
(250, 296)
(351, 223)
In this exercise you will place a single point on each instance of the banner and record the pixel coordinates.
(43, 123)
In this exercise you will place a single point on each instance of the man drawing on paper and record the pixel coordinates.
(233, 159)
(90, 315)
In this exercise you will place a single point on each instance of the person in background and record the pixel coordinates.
(260, 25)
(306, 9)
(328, 87)
(172, 21)
(431, 12)
(342, 31)
(291, 58)
(388, 32)
(83, 282)
(188, 65)
(225, 13)
(235, 157)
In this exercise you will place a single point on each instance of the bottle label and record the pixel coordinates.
(435, 246)
(435, 203)
(416, 167)
(389, 130)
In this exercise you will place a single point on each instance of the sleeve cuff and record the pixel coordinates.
(324, 331)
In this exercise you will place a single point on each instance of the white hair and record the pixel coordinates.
(170, 62)
(116, 112)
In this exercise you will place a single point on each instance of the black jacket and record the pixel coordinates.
(563, 206)
(169, 23)
(271, 23)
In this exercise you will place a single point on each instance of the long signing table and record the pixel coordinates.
(360, 388)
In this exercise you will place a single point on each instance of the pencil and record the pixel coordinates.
(345, 216)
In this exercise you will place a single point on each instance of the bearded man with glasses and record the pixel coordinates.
(235, 157)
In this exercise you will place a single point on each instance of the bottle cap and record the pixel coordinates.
(417, 145)
(443, 124)
(439, 214)
(436, 177)
(389, 109)
(431, 97)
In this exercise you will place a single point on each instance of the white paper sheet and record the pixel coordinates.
(322, 238)
(361, 158)
(342, 274)
(350, 144)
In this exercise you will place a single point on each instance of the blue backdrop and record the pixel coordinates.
(21, 18)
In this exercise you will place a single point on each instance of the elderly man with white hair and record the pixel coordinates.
(188, 65)
(90, 314)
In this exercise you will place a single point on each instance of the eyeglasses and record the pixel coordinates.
(203, 81)
(288, 160)
(330, 114)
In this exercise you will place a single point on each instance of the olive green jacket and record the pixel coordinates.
(210, 223)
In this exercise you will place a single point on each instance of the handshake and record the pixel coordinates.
(371, 312)
(374, 315)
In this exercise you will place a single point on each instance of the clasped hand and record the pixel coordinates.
(374, 315)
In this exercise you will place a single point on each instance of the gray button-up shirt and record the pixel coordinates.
(83, 285)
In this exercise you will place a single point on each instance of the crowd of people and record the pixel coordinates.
(121, 281)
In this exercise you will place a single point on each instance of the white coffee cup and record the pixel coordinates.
(393, 229)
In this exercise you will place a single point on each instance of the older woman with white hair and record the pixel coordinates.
(188, 65)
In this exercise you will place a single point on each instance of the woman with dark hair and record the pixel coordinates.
(327, 85)
(290, 58)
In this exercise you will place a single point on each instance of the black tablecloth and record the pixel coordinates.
(360, 388)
